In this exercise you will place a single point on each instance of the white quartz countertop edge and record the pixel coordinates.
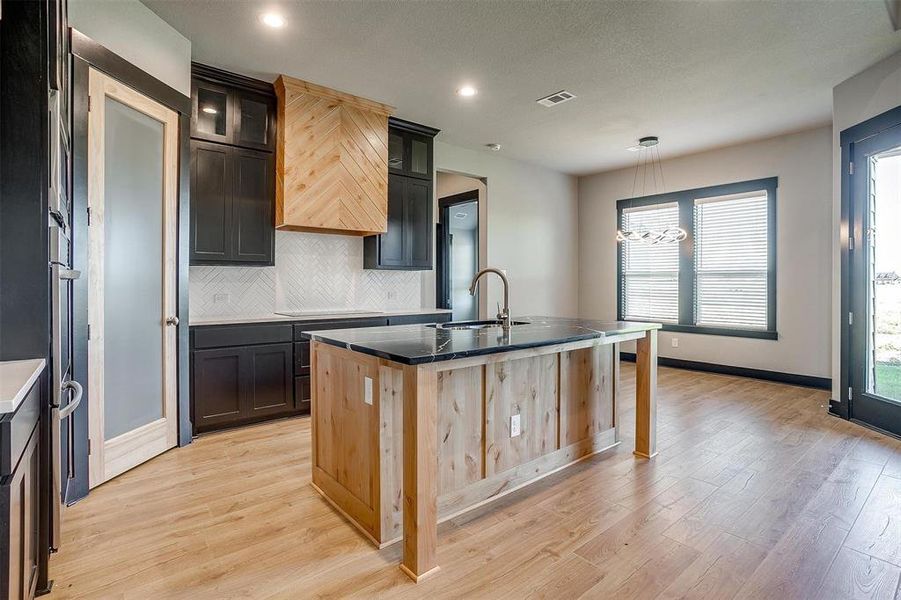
(274, 318)
(16, 379)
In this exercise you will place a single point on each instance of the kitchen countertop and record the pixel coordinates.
(417, 344)
(317, 316)
(16, 379)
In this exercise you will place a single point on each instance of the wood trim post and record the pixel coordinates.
(646, 395)
(420, 472)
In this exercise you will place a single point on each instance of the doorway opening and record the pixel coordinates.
(461, 244)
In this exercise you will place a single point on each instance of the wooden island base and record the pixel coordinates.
(399, 448)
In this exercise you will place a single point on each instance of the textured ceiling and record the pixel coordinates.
(698, 74)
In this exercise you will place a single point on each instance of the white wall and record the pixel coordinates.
(867, 94)
(138, 35)
(532, 219)
(804, 269)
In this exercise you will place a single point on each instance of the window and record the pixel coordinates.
(721, 279)
(650, 287)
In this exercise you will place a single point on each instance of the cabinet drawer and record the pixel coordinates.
(241, 335)
(342, 324)
(302, 395)
(302, 358)
(417, 319)
(16, 429)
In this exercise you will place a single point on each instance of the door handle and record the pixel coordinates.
(173, 321)
(73, 404)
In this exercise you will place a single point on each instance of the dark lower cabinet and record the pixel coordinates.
(20, 498)
(270, 378)
(217, 388)
(242, 384)
(20, 508)
(245, 373)
(302, 395)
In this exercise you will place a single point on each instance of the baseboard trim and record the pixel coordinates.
(823, 383)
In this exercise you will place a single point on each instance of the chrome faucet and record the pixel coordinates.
(503, 315)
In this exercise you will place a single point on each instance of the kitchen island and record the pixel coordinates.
(413, 425)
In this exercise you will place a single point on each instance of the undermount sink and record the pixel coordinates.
(474, 324)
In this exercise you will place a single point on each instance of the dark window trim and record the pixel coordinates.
(685, 200)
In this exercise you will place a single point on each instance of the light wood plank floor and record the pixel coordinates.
(756, 493)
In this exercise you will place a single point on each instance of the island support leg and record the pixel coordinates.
(646, 395)
(420, 472)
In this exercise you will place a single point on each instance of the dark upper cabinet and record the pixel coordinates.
(254, 120)
(391, 250)
(210, 112)
(231, 205)
(231, 109)
(211, 204)
(232, 169)
(407, 245)
(252, 191)
(410, 150)
(418, 223)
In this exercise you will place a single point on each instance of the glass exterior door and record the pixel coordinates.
(875, 282)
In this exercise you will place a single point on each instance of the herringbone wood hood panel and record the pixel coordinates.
(332, 160)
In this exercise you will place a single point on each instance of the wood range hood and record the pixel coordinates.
(331, 160)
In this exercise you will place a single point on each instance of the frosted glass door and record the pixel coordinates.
(133, 270)
(132, 185)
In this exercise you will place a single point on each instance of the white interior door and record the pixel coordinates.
(132, 185)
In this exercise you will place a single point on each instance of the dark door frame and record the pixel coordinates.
(442, 275)
(89, 54)
(852, 236)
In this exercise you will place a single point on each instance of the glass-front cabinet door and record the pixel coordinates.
(253, 127)
(212, 113)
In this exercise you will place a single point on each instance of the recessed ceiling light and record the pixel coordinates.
(467, 91)
(272, 20)
(210, 110)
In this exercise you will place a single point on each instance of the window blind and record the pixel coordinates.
(731, 240)
(650, 273)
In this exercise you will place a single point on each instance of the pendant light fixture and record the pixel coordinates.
(648, 170)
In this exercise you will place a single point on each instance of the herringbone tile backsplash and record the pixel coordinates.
(312, 271)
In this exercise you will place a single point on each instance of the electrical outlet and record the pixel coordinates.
(367, 390)
(675, 342)
(515, 426)
(220, 298)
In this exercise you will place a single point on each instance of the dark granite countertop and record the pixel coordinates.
(418, 344)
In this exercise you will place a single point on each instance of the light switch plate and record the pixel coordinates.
(367, 390)
(515, 426)
(675, 342)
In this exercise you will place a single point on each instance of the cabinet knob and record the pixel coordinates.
(172, 321)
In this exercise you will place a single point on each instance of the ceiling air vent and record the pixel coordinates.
(556, 98)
